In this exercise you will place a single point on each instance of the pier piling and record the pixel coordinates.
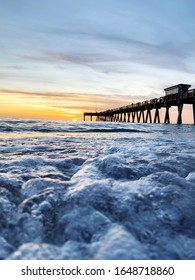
(156, 116)
(193, 105)
(167, 119)
(179, 118)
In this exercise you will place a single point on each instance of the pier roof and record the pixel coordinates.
(178, 86)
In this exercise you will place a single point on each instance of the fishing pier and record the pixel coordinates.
(177, 95)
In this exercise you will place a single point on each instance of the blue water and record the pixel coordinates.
(90, 190)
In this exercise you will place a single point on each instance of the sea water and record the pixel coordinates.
(96, 190)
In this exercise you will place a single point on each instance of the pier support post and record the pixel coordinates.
(156, 116)
(124, 117)
(167, 119)
(148, 115)
(179, 118)
(128, 119)
(143, 117)
(84, 117)
(139, 116)
(91, 118)
(193, 112)
(133, 117)
(121, 117)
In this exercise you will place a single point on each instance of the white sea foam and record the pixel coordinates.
(96, 191)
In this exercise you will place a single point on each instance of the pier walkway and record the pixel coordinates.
(141, 112)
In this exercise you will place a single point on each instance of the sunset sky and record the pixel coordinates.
(61, 58)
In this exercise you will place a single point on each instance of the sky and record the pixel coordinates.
(61, 58)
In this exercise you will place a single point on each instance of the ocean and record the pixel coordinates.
(96, 190)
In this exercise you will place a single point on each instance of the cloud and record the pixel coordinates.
(51, 95)
(114, 51)
(14, 67)
(108, 51)
(69, 94)
(77, 100)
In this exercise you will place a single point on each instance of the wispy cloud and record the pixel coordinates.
(123, 51)
(79, 97)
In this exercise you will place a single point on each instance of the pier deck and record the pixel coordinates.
(141, 111)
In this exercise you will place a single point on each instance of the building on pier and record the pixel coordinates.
(180, 88)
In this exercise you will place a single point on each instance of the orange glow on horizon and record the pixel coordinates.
(21, 105)
(55, 106)
(32, 107)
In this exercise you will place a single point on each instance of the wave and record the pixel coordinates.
(116, 130)
(46, 130)
(67, 127)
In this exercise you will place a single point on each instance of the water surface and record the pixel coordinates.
(90, 190)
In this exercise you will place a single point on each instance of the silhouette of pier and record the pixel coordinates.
(177, 95)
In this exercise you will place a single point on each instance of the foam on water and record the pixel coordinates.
(96, 190)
